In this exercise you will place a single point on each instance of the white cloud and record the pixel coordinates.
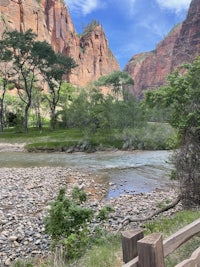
(84, 6)
(129, 5)
(176, 5)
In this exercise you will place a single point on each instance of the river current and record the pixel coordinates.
(126, 171)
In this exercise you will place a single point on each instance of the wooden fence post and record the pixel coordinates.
(129, 244)
(150, 251)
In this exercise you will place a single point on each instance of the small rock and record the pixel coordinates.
(12, 238)
(7, 262)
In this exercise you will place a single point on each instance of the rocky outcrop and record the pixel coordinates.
(51, 21)
(101, 62)
(149, 70)
(187, 45)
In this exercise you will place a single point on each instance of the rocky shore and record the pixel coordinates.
(15, 147)
(25, 196)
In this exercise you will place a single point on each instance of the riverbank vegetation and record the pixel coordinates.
(152, 136)
(36, 99)
(108, 252)
(89, 121)
(181, 95)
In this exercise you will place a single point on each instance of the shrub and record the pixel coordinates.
(69, 223)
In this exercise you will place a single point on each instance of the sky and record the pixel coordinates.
(131, 26)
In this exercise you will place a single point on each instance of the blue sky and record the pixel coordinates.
(131, 26)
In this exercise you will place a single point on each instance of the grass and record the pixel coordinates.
(152, 137)
(168, 226)
(108, 252)
(35, 136)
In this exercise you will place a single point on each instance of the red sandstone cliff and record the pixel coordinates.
(51, 21)
(182, 45)
(187, 45)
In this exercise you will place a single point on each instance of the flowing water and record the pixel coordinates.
(127, 172)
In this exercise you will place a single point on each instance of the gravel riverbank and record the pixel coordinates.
(25, 195)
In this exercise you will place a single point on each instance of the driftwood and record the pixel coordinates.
(130, 219)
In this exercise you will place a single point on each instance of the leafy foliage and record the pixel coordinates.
(69, 222)
(119, 81)
(95, 112)
(182, 94)
(29, 60)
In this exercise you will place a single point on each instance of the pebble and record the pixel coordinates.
(25, 197)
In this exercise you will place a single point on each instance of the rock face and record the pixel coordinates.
(51, 21)
(182, 45)
(187, 45)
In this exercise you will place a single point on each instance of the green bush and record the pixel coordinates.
(69, 223)
(20, 263)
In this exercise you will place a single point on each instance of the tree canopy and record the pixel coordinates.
(30, 60)
(119, 81)
(182, 95)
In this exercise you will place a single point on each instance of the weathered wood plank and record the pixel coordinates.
(132, 263)
(180, 237)
(129, 244)
(150, 251)
(193, 261)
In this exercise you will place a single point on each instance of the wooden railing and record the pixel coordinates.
(150, 251)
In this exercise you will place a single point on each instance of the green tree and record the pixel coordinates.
(79, 111)
(55, 71)
(6, 74)
(182, 95)
(38, 101)
(119, 81)
(30, 59)
(3, 85)
(24, 63)
(13, 109)
(67, 96)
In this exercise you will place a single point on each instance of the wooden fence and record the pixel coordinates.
(150, 251)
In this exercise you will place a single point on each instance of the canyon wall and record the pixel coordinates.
(51, 21)
(181, 45)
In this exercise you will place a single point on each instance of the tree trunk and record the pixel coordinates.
(53, 118)
(188, 167)
(1, 116)
(26, 116)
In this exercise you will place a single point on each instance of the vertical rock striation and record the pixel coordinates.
(182, 45)
(187, 45)
(51, 21)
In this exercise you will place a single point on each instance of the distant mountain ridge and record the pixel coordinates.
(181, 45)
(51, 21)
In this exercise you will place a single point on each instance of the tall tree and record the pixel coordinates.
(67, 95)
(119, 81)
(55, 71)
(24, 65)
(182, 95)
(3, 85)
(30, 59)
(6, 74)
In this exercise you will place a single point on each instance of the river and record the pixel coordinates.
(127, 172)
